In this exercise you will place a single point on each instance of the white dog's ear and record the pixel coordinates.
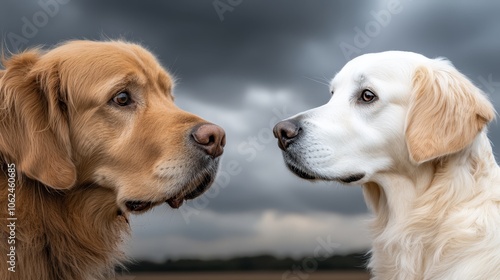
(446, 112)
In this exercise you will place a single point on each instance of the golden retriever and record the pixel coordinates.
(89, 134)
(412, 131)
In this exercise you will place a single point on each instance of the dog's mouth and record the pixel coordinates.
(192, 190)
(139, 206)
(303, 172)
(352, 178)
(294, 165)
(300, 172)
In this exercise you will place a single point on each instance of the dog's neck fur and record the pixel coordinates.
(61, 234)
(411, 208)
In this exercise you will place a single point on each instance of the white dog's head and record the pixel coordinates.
(387, 110)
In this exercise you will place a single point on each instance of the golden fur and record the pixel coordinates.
(79, 158)
(446, 113)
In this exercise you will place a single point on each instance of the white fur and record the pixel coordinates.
(436, 218)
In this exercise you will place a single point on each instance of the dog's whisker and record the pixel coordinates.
(317, 81)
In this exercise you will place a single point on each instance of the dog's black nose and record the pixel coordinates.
(286, 132)
(211, 138)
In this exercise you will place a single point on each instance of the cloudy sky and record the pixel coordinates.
(245, 64)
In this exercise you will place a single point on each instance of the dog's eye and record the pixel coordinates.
(367, 96)
(332, 92)
(122, 98)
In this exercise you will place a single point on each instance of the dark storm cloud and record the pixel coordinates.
(259, 41)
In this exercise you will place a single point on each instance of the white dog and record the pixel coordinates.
(412, 131)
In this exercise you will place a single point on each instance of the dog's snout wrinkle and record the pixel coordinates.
(211, 138)
(286, 132)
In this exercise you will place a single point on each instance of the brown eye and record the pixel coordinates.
(122, 98)
(367, 96)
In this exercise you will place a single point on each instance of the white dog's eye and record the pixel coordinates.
(367, 96)
(332, 92)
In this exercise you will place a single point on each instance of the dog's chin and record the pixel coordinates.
(196, 183)
(200, 186)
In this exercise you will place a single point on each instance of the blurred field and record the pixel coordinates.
(249, 276)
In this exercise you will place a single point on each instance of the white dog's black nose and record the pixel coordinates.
(286, 132)
(211, 138)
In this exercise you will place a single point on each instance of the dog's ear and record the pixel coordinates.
(35, 122)
(446, 112)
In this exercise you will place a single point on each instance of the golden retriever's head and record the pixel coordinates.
(388, 111)
(103, 113)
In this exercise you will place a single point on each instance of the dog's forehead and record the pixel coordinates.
(101, 59)
(384, 65)
(105, 62)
